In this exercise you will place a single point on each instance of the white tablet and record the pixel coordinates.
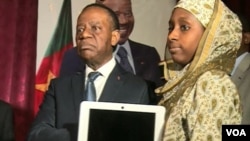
(105, 121)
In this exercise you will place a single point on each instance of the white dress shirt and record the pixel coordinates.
(238, 60)
(100, 81)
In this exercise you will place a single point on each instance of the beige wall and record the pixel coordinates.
(151, 22)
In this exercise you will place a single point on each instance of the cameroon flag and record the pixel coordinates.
(50, 65)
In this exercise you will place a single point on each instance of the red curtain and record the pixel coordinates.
(18, 32)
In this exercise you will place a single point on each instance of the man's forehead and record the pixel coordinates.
(93, 15)
(94, 10)
(98, 1)
(115, 2)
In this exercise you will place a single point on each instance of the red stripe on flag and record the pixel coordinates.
(50, 65)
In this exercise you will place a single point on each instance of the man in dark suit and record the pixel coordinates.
(143, 59)
(6, 122)
(97, 34)
(241, 72)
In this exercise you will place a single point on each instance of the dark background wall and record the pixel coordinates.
(239, 6)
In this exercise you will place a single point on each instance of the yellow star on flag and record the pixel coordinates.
(44, 87)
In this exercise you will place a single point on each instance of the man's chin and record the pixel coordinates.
(122, 41)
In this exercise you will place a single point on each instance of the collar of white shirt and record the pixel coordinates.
(100, 81)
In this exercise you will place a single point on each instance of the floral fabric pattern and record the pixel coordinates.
(200, 97)
(203, 108)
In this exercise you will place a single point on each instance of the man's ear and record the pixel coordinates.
(115, 37)
(246, 37)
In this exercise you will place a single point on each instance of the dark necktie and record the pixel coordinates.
(122, 53)
(90, 87)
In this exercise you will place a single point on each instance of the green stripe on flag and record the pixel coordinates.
(63, 32)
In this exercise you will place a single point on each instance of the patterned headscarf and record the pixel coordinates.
(201, 9)
(216, 50)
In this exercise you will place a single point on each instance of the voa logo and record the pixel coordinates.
(236, 132)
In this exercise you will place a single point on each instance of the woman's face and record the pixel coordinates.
(185, 33)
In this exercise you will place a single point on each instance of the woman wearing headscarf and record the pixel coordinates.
(203, 39)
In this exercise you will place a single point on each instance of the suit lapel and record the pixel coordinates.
(138, 61)
(243, 66)
(78, 89)
(114, 82)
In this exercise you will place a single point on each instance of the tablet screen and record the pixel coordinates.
(107, 121)
(111, 125)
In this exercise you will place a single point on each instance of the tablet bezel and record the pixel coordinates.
(86, 106)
